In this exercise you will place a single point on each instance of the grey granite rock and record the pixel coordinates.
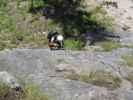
(46, 68)
(9, 80)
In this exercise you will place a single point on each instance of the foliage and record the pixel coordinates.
(130, 77)
(73, 44)
(62, 15)
(128, 59)
(110, 45)
(11, 35)
(34, 93)
(6, 93)
(103, 79)
(103, 20)
(35, 4)
(3, 3)
(74, 19)
(30, 92)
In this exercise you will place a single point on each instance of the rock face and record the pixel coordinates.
(47, 69)
(123, 15)
(9, 80)
(121, 11)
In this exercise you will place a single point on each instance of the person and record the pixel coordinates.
(60, 40)
(51, 36)
(55, 40)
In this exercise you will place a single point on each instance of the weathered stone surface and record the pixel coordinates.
(9, 80)
(46, 68)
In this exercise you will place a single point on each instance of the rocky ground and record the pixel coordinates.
(49, 68)
(58, 72)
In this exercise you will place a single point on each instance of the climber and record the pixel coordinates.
(55, 40)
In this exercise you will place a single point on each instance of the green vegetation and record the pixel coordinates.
(73, 44)
(31, 92)
(22, 22)
(128, 46)
(76, 22)
(97, 78)
(14, 33)
(110, 45)
(130, 77)
(64, 61)
(103, 20)
(128, 59)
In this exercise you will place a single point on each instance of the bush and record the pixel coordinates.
(30, 92)
(3, 3)
(12, 34)
(72, 22)
(102, 18)
(73, 44)
(75, 21)
(6, 93)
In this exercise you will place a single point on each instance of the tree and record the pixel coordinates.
(31, 2)
(74, 19)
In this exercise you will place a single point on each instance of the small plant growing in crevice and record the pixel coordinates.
(128, 60)
(30, 92)
(33, 92)
(73, 44)
(7, 93)
(102, 79)
(130, 77)
(110, 45)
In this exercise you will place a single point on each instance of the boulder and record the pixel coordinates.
(9, 80)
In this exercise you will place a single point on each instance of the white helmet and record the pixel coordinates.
(60, 38)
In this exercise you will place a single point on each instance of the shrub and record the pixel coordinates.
(3, 3)
(11, 35)
(70, 22)
(6, 93)
(73, 44)
(30, 92)
(74, 21)
(102, 18)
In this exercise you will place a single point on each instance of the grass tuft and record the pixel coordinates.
(130, 77)
(110, 45)
(73, 44)
(102, 79)
(33, 92)
(30, 92)
(128, 60)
